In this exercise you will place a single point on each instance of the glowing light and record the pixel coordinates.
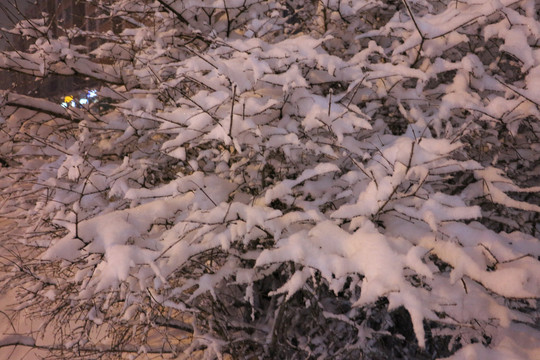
(91, 96)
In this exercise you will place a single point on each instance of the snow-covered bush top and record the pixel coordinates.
(269, 172)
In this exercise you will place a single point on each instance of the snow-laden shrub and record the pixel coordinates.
(281, 179)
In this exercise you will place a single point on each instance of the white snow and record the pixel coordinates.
(366, 160)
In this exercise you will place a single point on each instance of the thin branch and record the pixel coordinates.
(228, 18)
(330, 101)
(423, 38)
(21, 340)
(232, 111)
(176, 13)
(516, 91)
(174, 324)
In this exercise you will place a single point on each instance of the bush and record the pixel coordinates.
(279, 179)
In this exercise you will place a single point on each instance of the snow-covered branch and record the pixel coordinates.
(8, 98)
(257, 177)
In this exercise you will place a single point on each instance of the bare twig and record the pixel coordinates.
(423, 38)
(176, 13)
(232, 111)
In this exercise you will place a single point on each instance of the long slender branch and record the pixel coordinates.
(517, 92)
(232, 111)
(176, 13)
(422, 37)
(27, 341)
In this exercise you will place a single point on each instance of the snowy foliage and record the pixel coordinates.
(281, 179)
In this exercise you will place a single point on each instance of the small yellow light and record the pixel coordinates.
(68, 98)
